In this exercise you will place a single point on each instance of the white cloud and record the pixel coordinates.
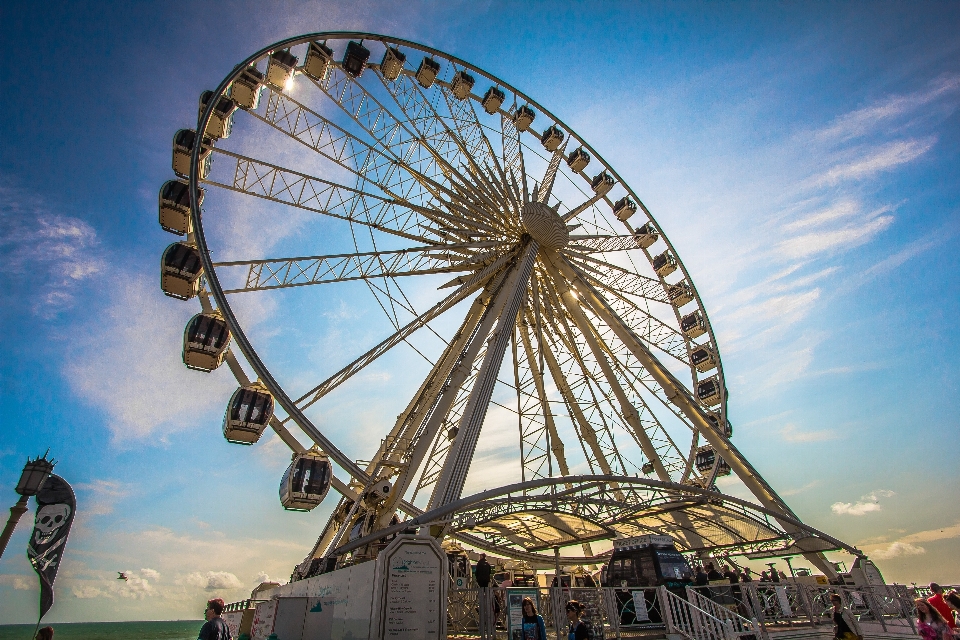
(806, 245)
(106, 493)
(867, 504)
(130, 366)
(896, 549)
(18, 582)
(791, 433)
(877, 159)
(86, 591)
(150, 574)
(214, 580)
(56, 252)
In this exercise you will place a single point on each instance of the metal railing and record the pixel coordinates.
(781, 605)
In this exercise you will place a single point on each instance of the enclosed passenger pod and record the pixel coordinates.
(306, 481)
(280, 68)
(427, 72)
(703, 358)
(680, 294)
(664, 264)
(205, 341)
(714, 419)
(221, 120)
(602, 183)
(392, 63)
(578, 160)
(644, 561)
(492, 100)
(551, 138)
(693, 325)
(317, 62)
(248, 414)
(709, 391)
(523, 117)
(705, 458)
(245, 90)
(183, 142)
(646, 235)
(355, 58)
(175, 206)
(462, 85)
(624, 208)
(180, 271)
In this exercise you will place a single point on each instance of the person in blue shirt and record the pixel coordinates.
(578, 630)
(533, 627)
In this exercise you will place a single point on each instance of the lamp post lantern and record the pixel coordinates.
(35, 473)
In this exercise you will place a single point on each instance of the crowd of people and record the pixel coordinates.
(938, 614)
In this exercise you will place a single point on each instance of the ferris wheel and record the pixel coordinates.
(508, 260)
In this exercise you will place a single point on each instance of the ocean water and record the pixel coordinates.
(173, 630)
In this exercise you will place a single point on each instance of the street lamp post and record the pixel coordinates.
(35, 473)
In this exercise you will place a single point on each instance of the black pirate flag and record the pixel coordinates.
(56, 505)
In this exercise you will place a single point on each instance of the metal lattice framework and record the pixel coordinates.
(445, 192)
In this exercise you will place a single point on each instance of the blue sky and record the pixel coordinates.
(803, 159)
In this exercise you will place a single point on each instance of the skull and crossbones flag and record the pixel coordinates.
(56, 506)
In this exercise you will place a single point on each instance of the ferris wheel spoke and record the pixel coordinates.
(278, 273)
(583, 245)
(546, 184)
(616, 279)
(331, 383)
(552, 444)
(284, 186)
(628, 412)
(513, 157)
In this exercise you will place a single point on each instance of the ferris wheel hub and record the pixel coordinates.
(545, 225)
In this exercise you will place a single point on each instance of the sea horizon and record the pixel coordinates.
(130, 630)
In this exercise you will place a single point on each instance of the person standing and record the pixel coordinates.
(953, 601)
(845, 625)
(533, 626)
(578, 630)
(483, 572)
(713, 574)
(731, 575)
(930, 624)
(746, 577)
(214, 628)
(700, 579)
(45, 634)
(937, 602)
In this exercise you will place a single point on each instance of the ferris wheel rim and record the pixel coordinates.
(220, 296)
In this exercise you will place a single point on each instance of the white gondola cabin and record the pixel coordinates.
(664, 264)
(578, 160)
(602, 183)
(205, 341)
(175, 206)
(462, 85)
(703, 358)
(492, 100)
(281, 67)
(523, 118)
(183, 142)
(680, 294)
(705, 458)
(221, 120)
(693, 325)
(552, 138)
(709, 391)
(306, 481)
(392, 63)
(355, 58)
(715, 421)
(248, 414)
(646, 235)
(624, 208)
(245, 90)
(180, 271)
(317, 62)
(427, 72)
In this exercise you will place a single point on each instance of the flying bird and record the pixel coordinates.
(122, 576)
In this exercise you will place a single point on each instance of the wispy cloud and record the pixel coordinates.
(873, 160)
(51, 252)
(791, 433)
(104, 495)
(866, 504)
